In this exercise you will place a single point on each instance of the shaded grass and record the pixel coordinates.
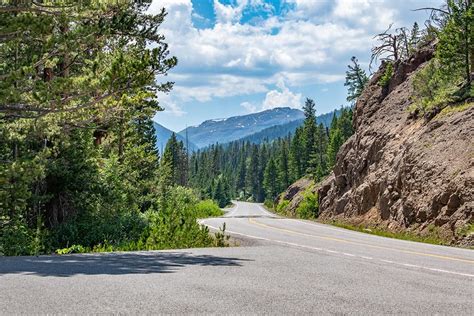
(433, 237)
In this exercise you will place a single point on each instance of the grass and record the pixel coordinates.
(431, 238)
(449, 110)
(466, 230)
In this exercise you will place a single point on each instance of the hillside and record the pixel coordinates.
(237, 127)
(163, 135)
(283, 130)
(401, 173)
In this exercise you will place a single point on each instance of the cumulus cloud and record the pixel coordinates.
(310, 44)
(218, 86)
(229, 13)
(282, 97)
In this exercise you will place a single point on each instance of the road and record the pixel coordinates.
(287, 267)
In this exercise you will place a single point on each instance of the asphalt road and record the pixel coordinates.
(289, 267)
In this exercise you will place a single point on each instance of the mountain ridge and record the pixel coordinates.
(283, 130)
(163, 134)
(237, 127)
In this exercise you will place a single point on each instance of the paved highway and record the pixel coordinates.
(286, 266)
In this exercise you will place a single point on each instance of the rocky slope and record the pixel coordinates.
(403, 173)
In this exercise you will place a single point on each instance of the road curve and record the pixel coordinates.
(293, 267)
(253, 221)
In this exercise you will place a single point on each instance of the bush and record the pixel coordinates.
(269, 204)
(172, 225)
(281, 207)
(309, 206)
(207, 208)
(15, 237)
(431, 89)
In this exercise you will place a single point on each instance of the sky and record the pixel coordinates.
(237, 57)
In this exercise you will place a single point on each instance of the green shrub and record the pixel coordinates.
(172, 225)
(15, 237)
(269, 204)
(385, 79)
(72, 249)
(207, 208)
(431, 89)
(221, 239)
(281, 208)
(309, 206)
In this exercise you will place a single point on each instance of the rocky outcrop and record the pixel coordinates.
(403, 173)
(295, 195)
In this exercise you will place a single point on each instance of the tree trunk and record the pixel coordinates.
(64, 64)
(467, 50)
(121, 137)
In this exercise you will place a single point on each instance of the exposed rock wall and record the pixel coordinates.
(404, 173)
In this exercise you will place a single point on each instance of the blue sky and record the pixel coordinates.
(241, 56)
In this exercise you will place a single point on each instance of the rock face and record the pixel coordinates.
(403, 173)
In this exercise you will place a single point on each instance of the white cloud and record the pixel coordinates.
(218, 86)
(282, 97)
(308, 46)
(228, 13)
(250, 107)
(350, 8)
(170, 106)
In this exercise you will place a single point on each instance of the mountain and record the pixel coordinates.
(237, 127)
(163, 135)
(283, 130)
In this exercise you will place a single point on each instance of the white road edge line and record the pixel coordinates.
(344, 253)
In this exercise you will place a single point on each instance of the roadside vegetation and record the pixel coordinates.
(446, 82)
(79, 169)
(431, 236)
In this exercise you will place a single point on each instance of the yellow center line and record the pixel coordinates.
(362, 243)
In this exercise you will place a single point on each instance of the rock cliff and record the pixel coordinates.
(403, 173)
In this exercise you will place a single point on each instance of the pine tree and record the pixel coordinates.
(270, 180)
(335, 142)
(283, 167)
(322, 142)
(253, 174)
(415, 37)
(309, 134)
(344, 123)
(241, 174)
(455, 49)
(356, 80)
(220, 194)
(174, 157)
(295, 161)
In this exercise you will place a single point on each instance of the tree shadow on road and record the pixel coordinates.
(111, 263)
